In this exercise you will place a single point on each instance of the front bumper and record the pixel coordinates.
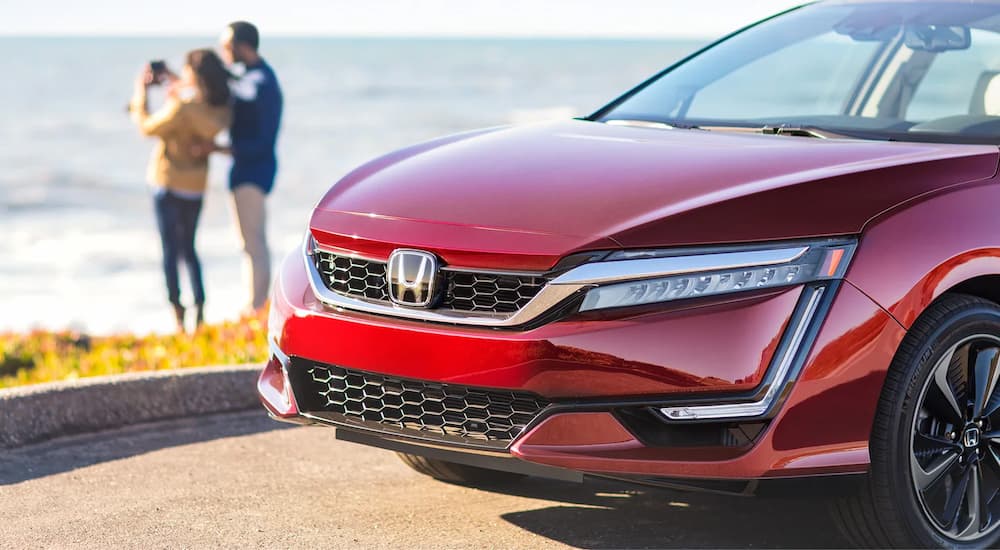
(604, 379)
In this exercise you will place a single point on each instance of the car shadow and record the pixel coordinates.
(70, 453)
(609, 514)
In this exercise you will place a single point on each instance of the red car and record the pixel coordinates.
(775, 262)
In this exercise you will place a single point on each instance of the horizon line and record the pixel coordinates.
(309, 35)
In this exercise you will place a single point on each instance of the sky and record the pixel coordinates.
(586, 18)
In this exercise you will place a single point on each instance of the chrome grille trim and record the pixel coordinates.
(465, 290)
(353, 276)
(548, 297)
(412, 408)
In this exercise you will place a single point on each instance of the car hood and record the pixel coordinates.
(523, 197)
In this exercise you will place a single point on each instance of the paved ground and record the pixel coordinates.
(241, 481)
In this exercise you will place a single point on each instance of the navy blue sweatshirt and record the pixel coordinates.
(254, 133)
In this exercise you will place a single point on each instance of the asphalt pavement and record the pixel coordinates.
(243, 481)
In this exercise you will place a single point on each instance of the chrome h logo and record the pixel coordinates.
(971, 438)
(412, 276)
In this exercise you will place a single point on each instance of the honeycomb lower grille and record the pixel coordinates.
(464, 291)
(429, 410)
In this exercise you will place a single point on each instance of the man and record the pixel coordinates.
(253, 136)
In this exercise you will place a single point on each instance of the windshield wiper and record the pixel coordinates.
(838, 133)
(801, 131)
(786, 130)
(778, 130)
(797, 130)
(639, 123)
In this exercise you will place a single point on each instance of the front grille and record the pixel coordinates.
(353, 277)
(464, 291)
(493, 293)
(478, 417)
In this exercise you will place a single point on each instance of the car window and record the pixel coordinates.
(948, 87)
(854, 69)
(825, 70)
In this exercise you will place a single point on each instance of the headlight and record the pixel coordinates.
(632, 278)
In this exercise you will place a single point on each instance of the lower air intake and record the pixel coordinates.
(428, 410)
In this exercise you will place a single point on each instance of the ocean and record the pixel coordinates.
(77, 232)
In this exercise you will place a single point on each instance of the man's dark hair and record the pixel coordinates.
(245, 33)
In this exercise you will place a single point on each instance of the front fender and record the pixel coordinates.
(910, 256)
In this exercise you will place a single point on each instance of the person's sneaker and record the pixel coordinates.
(200, 318)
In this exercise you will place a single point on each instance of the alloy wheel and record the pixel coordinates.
(955, 441)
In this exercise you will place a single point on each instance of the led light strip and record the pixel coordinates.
(756, 408)
(630, 270)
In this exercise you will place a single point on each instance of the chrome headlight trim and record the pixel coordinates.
(617, 271)
(669, 275)
(795, 340)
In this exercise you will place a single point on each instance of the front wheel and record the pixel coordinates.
(935, 444)
(460, 474)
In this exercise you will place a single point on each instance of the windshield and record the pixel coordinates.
(922, 71)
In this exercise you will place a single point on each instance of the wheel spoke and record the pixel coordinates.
(925, 445)
(957, 497)
(989, 471)
(984, 378)
(993, 460)
(941, 398)
(973, 504)
(992, 407)
(926, 478)
(993, 411)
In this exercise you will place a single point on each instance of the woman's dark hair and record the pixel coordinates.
(213, 78)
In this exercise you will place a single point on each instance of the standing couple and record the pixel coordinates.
(202, 101)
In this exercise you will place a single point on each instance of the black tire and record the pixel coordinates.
(460, 474)
(923, 461)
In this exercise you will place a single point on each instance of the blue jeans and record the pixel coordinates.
(177, 219)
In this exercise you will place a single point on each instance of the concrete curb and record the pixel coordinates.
(36, 413)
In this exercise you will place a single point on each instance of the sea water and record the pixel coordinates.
(78, 242)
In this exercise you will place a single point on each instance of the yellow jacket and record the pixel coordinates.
(181, 126)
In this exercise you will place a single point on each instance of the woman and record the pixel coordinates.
(197, 108)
